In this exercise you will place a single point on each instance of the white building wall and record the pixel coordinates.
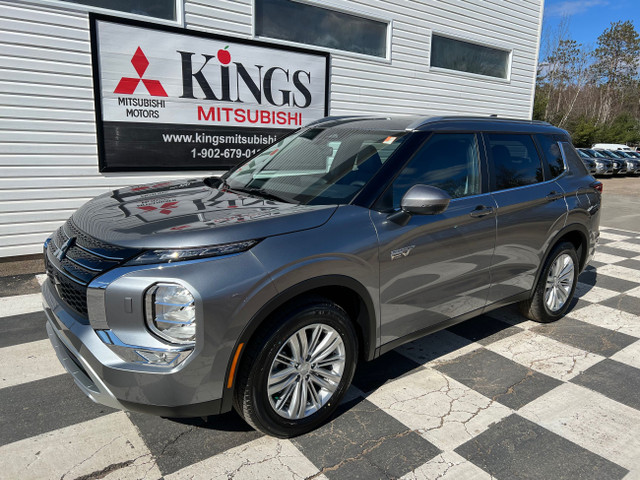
(48, 150)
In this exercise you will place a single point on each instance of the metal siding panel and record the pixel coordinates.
(48, 153)
(220, 16)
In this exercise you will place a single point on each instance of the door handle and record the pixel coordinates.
(553, 196)
(481, 211)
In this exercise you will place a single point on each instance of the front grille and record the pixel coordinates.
(84, 258)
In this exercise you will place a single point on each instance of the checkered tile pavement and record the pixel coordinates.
(494, 397)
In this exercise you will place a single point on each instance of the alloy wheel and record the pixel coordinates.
(559, 283)
(306, 371)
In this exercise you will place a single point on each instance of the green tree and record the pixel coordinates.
(617, 61)
(584, 132)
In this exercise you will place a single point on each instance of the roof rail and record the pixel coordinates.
(456, 118)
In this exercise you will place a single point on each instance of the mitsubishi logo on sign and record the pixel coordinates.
(128, 85)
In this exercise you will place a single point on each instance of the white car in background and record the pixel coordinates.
(612, 146)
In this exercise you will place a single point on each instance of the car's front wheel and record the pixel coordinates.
(556, 286)
(297, 370)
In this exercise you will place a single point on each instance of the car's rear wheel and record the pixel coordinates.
(296, 371)
(556, 286)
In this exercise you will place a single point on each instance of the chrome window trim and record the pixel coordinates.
(527, 186)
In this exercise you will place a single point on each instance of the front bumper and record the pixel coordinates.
(620, 168)
(633, 167)
(104, 378)
(604, 169)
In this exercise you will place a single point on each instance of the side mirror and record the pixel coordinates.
(425, 200)
(421, 200)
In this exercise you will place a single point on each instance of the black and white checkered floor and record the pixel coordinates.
(494, 397)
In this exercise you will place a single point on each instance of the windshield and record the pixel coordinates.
(606, 154)
(317, 166)
(595, 153)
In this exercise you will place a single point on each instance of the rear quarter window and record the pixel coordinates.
(552, 156)
(573, 160)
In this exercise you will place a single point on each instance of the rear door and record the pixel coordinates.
(436, 267)
(531, 209)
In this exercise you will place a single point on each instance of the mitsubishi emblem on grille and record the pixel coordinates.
(61, 252)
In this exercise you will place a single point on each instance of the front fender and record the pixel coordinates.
(341, 254)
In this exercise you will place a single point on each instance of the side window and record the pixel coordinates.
(552, 155)
(515, 160)
(449, 161)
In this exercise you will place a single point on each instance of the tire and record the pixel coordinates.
(556, 282)
(277, 413)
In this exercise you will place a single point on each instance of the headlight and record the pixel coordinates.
(177, 255)
(171, 312)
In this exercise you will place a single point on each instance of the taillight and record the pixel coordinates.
(597, 186)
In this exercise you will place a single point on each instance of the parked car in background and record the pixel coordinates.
(611, 146)
(634, 154)
(262, 289)
(589, 162)
(633, 163)
(619, 162)
(604, 165)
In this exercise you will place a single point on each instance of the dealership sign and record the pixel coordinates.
(172, 99)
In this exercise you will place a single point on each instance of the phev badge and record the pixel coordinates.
(401, 252)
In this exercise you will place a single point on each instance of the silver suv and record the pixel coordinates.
(262, 289)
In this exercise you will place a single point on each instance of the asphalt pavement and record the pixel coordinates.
(494, 397)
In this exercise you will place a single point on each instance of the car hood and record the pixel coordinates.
(190, 213)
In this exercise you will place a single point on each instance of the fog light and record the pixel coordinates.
(158, 358)
(171, 313)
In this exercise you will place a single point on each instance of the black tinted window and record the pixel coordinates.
(469, 57)
(552, 154)
(515, 160)
(446, 161)
(314, 25)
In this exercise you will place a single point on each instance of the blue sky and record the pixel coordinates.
(589, 18)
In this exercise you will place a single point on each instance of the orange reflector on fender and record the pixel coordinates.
(232, 371)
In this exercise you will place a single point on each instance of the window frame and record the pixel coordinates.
(475, 41)
(179, 5)
(330, 5)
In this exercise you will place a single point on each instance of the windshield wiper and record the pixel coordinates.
(260, 192)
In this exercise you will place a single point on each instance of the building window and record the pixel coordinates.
(303, 23)
(469, 57)
(163, 9)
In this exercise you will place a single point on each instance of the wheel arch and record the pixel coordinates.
(578, 236)
(348, 293)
